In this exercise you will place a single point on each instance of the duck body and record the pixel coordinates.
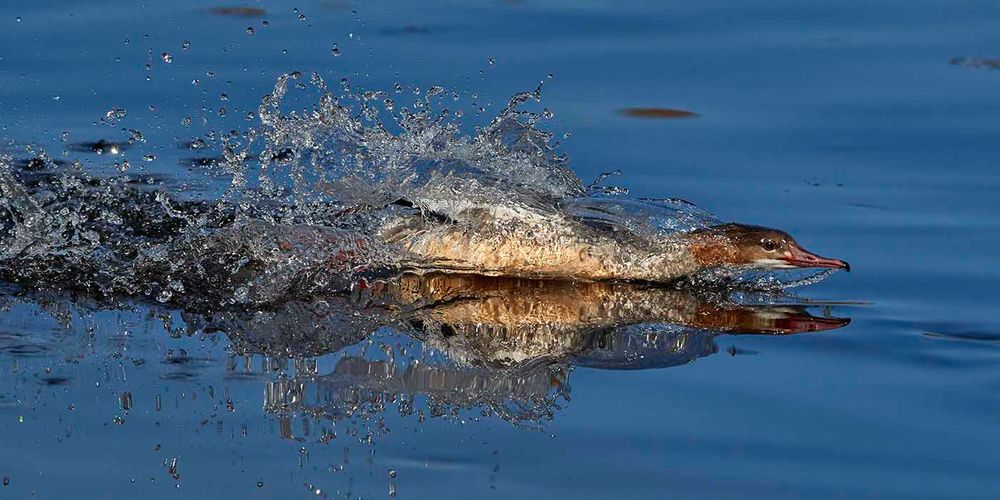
(555, 248)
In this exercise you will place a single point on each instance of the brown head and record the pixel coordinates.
(741, 245)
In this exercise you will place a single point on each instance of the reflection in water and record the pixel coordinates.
(345, 369)
(347, 366)
(502, 347)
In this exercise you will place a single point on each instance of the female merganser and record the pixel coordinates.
(571, 250)
(259, 262)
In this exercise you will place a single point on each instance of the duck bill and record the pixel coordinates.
(798, 257)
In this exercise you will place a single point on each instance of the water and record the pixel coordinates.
(848, 126)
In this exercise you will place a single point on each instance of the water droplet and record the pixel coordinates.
(335, 51)
(6, 479)
(186, 121)
(224, 97)
(196, 82)
(167, 57)
(171, 464)
(126, 401)
(250, 30)
(260, 484)
(185, 45)
(265, 23)
(135, 136)
(18, 19)
(112, 115)
(149, 157)
(302, 17)
(492, 61)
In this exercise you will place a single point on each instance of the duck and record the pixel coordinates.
(278, 261)
(566, 248)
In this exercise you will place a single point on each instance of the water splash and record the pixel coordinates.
(364, 150)
(757, 280)
(329, 189)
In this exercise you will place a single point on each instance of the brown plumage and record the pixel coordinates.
(566, 249)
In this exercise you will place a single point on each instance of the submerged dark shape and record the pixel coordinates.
(976, 62)
(411, 29)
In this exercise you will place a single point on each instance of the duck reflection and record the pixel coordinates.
(505, 347)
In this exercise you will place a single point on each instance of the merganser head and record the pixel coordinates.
(756, 247)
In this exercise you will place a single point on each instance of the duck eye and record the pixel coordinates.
(769, 245)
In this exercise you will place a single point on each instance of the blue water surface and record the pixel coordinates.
(845, 123)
